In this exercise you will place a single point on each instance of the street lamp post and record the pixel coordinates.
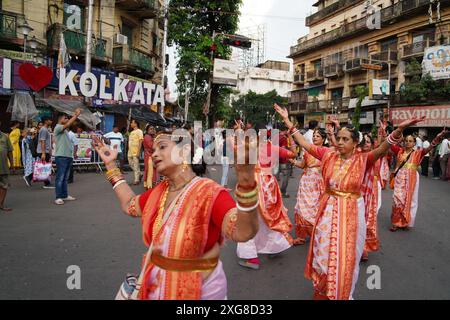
(26, 29)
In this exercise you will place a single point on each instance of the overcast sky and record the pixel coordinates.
(284, 20)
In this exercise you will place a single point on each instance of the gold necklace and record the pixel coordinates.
(158, 221)
(179, 188)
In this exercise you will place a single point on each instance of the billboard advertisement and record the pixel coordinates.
(435, 116)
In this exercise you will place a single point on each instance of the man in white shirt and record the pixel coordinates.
(419, 143)
(426, 159)
(74, 140)
(116, 139)
(443, 156)
(312, 125)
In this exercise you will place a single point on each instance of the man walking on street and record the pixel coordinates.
(312, 125)
(134, 150)
(116, 140)
(44, 147)
(426, 159)
(63, 156)
(6, 154)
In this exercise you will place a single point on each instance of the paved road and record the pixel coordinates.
(39, 240)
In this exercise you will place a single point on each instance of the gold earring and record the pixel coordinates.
(185, 165)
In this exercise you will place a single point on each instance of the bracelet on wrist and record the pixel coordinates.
(118, 183)
(247, 195)
(249, 209)
(247, 200)
(247, 188)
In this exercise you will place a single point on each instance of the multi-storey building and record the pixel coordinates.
(127, 35)
(345, 48)
(267, 76)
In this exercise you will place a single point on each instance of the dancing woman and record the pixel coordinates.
(371, 191)
(310, 190)
(339, 234)
(184, 221)
(406, 182)
(274, 224)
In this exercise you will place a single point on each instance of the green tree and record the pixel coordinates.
(255, 107)
(361, 92)
(191, 27)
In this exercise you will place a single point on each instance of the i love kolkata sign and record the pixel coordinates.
(90, 86)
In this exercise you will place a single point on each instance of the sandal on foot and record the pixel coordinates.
(299, 241)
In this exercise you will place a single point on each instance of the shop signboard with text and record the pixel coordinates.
(435, 116)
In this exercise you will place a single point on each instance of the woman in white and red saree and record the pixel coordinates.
(184, 221)
(310, 190)
(274, 224)
(406, 182)
(339, 234)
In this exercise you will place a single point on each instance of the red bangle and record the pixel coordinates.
(246, 188)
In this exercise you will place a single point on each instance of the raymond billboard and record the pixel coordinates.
(435, 116)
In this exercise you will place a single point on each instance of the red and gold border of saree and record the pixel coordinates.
(401, 217)
(187, 239)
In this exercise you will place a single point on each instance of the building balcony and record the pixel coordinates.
(296, 108)
(332, 105)
(76, 42)
(400, 11)
(327, 11)
(362, 64)
(416, 49)
(142, 9)
(333, 70)
(132, 60)
(299, 78)
(315, 75)
(8, 25)
(386, 56)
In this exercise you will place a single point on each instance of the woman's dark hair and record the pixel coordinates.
(200, 168)
(322, 133)
(366, 134)
(354, 133)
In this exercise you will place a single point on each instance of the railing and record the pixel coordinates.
(8, 26)
(358, 64)
(403, 8)
(337, 104)
(133, 57)
(315, 75)
(298, 96)
(299, 78)
(143, 9)
(75, 41)
(297, 107)
(328, 11)
(333, 70)
(385, 56)
(417, 48)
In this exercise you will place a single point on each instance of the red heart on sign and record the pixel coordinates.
(35, 78)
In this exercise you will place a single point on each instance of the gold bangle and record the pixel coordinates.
(246, 201)
(112, 171)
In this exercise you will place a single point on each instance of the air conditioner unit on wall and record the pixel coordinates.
(120, 39)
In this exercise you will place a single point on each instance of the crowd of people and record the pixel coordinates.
(186, 217)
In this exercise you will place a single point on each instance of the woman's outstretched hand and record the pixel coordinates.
(284, 114)
(108, 155)
(245, 165)
(410, 122)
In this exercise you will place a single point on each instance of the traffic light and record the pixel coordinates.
(237, 41)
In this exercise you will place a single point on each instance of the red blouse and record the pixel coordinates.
(224, 203)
